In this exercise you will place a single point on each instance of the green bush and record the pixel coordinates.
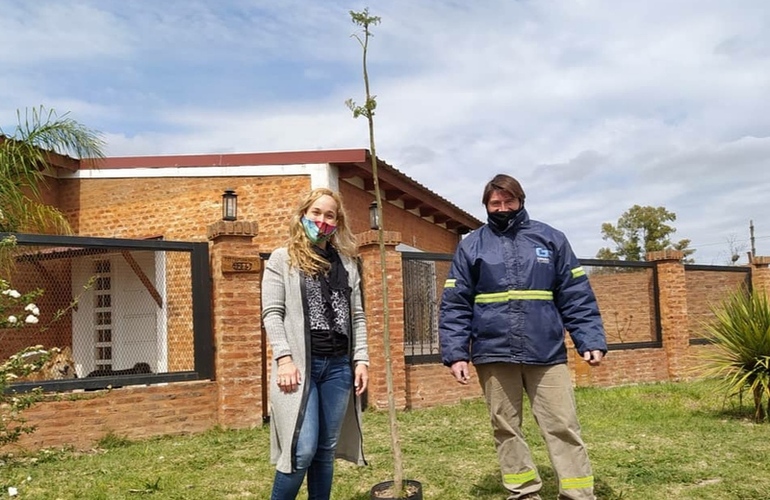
(18, 310)
(740, 332)
(12, 424)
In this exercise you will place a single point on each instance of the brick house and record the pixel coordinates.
(179, 198)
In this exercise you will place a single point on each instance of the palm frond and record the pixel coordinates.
(24, 158)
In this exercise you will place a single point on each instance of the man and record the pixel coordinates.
(514, 287)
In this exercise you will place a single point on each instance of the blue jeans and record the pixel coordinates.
(331, 380)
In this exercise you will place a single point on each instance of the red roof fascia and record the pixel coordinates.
(234, 159)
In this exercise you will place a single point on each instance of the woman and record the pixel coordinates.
(312, 311)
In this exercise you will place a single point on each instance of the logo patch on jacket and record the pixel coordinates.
(543, 255)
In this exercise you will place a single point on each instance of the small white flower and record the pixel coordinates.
(31, 307)
(31, 319)
(12, 319)
(12, 492)
(14, 294)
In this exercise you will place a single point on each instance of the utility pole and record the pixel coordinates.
(751, 233)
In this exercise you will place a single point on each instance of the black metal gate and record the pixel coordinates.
(424, 275)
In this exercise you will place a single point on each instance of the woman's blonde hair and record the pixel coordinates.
(301, 254)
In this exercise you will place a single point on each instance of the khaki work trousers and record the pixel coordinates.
(549, 389)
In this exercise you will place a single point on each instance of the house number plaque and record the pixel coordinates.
(231, 264)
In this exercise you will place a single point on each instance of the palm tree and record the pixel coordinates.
(24, 157)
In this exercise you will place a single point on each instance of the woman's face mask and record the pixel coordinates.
(317, 231)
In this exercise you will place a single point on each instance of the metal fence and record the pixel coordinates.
(125, 311)
(626, 291)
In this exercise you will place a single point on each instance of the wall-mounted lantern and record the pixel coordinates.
(229, 205)
(374, 216)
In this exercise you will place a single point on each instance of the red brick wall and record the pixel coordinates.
(136, 412)
(760, 274)
(705, 290)
(621, 367)
(626, 301)
(429, 385)
(179, 208)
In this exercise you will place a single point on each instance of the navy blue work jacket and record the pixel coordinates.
(510, 295)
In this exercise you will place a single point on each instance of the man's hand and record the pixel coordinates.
(461, 371)
(593, 358)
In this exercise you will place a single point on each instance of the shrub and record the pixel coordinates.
(12, 404)
(16, 311)
(740, 332)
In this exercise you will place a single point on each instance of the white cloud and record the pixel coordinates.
(594, 105)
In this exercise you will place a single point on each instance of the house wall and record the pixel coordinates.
(178, 208)
(415, 231)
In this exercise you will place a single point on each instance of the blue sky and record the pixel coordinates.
(594, 105)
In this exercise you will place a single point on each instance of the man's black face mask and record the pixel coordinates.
(502, 219)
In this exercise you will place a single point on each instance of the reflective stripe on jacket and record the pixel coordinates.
(509, 297)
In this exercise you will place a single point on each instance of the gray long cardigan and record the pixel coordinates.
(284, 315)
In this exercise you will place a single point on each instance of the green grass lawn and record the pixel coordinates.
(662, 441)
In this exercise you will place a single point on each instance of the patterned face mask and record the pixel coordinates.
(317, 231)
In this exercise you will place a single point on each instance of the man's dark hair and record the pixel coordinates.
(503, 182)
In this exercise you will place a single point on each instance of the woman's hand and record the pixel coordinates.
(288, 375)
(361, 380)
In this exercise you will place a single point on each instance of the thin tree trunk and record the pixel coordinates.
(395, 442)
(363, 19)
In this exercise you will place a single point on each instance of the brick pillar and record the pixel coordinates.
(236, 275)
(370, 254)
(760, 273)
(672, 293)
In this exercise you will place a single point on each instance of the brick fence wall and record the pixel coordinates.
(235, 398)
(427, 385)
(81, 419)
